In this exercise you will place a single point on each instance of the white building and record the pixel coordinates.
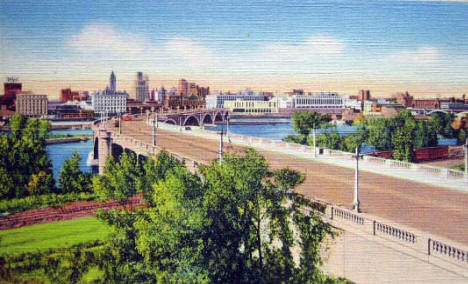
(319, 101)
(252, 107)
(217, 101)
(352, 103)
(111, 103)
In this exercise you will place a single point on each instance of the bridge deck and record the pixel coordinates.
(424, 207)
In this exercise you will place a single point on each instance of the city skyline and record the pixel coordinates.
(342, 46)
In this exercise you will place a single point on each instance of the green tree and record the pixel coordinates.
(305, 121)
(24, 159)
(403, 137)
(72, 179)
(235, 223)
(120, 179)
(330, 140)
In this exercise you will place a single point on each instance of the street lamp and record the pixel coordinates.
(154, 131)
(356, 201)
(221, 146)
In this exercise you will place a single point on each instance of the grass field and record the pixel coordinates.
(52, 235)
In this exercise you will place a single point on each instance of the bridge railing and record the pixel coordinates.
(425, 245)
(297, 149)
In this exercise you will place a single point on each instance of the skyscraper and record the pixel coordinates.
(142, 89)
(183, 88)
(112, 83)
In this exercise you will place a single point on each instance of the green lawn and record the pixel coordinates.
(52, 235)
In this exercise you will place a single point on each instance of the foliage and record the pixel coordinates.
(154, 170)
(330, 140)
(54, 265)
(231, 225)
(299, 139)
(305, 121)
(402, 140)
(72, 179)
(25, 168)
(119, 180)
(442, 124)
(16, 205)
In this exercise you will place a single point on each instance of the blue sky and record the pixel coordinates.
(385, 46)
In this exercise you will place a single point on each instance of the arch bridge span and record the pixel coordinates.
(194, 117)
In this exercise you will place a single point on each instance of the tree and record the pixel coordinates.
(330, 140)
(24, 159)
(403, 137)
(40, 183)
(235, 223)
(120, 180)
(72, 179)
(305, 121)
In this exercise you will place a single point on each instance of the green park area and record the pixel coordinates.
(52, 235)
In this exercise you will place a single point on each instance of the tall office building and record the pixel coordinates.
(112, 83)
(183, 88)
(142, 89)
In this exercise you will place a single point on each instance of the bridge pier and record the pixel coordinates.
(104, 148)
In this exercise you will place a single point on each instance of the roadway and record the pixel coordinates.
(427, 208)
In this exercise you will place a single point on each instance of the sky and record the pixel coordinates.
(335, 45)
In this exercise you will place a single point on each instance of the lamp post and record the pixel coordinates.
(154, 132)
(227, 129)
(356, 201)
(221, 146)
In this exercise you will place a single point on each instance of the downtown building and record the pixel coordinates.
(142, 88)
(323, 100)
(31, 105)
(110, 101)
(218, 101)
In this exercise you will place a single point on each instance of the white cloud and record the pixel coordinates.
(425, 56)
(104, 38)
(311, 49)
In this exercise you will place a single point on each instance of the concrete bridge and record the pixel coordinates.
(409, 231)
(193, 117)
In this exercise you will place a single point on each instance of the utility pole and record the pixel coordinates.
(221, 147)
(227, 129)
(356, 183)
(154, 132)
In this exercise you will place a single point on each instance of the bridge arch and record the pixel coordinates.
(219, 117)
(170, 121)
(116, 151)
(191, 120)
(207, 118)
(96, 148)
(436, 111)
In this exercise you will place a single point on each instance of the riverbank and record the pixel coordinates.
(67, 140)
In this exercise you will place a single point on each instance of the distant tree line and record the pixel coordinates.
(400, 134)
